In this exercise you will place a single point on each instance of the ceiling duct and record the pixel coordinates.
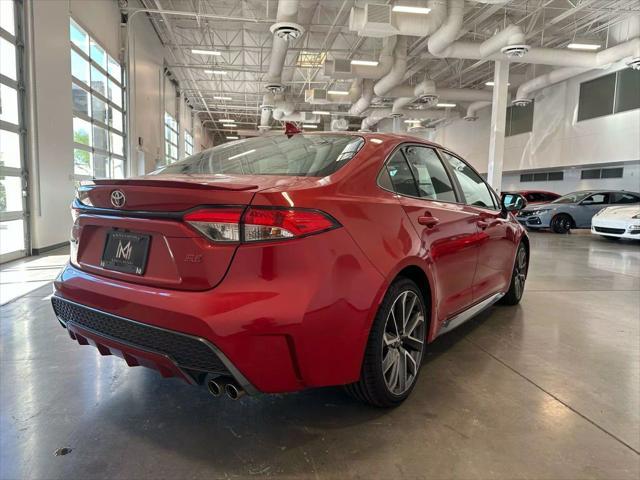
(316, 96)
(374, 20)
(377, 115)
(397, 71)
(268, 104)
(339, 124)
(284, 30)
(525, 91)
(342, 68)
(365, 100)
(472, 110)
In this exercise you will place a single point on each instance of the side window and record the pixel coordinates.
(596, 199)
(432, 178)
(401, 176)
(476, 192)
(625, 198)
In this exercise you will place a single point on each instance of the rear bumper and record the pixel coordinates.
(287, 316)
(173, 354)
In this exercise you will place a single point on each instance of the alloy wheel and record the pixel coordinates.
(520, 272)
(403, 342)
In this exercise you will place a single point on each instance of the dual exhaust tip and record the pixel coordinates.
(217, 387)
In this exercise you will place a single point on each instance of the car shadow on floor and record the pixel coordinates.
(236, 437)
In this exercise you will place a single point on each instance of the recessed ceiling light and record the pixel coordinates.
(222, 98)
(321, 112)
(491, 84)
(446, 105)
(337, 92)
(409, 9)
(365, 63)
(232, 125)
(206, 52)
(216, 72)
(309, 126)
(583, 46)
(227, 120)
(232, 137)
(412, 121)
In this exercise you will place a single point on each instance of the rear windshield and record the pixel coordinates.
(300, 155)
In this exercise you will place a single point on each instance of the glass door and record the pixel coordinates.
(13, 192)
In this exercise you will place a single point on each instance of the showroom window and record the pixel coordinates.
(597, 173)
(609, 94)
(97, 90)
(519, 120)
(542, 177)
(170, 139)
(188, 143)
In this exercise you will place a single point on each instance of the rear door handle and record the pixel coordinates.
(482, 224)
(428, 221)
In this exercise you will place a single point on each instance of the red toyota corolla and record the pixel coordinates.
(275, 264)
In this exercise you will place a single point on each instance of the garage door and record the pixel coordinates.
(13, 204)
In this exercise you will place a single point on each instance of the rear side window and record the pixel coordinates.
(432, 178)
(300, 155)
(625, 198)
(476, 192)
(401, 177)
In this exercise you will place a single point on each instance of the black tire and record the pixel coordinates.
(562, 223)
(372, 387)
(518, 277)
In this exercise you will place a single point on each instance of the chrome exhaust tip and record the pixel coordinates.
(233, 391)
(215, 388)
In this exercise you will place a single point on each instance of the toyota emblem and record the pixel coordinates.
(118, 199)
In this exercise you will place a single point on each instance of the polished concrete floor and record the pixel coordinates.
(548, 389)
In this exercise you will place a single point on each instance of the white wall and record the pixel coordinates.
(557, 138)
(51, 170)
(572, 182)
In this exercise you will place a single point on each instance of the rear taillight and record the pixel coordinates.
(219, 224)
(258, 223)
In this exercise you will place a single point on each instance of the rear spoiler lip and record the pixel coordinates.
(149, 214)
(169, 183)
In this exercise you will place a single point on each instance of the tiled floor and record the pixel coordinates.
(549, 389)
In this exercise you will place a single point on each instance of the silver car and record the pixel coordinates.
(573, 210)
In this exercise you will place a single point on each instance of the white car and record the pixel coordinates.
(617, 222)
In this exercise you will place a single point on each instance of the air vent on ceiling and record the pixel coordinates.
(377, 21)
(338, 68)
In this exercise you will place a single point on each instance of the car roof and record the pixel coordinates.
(394, 137)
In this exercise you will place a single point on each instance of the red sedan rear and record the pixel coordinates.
(276, 264)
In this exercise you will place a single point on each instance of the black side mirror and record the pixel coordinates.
(512, 202)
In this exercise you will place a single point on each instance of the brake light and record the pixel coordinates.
(258, 223)
(218, 225)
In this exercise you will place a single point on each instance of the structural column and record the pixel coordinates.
(498, 124)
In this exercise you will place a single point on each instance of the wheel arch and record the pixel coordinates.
(416, 274)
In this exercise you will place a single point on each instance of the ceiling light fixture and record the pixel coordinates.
(232, 125)
(232, 137)
(241, 154)
(446, 105)
(216, 72)
(409, 9)
(321, 112)
(222, 98)
(227, 120)
(365, 63)
(583, 46)
(206, 52)
(337, 92)
(413, 121)
(491, 84)
(309, 126)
